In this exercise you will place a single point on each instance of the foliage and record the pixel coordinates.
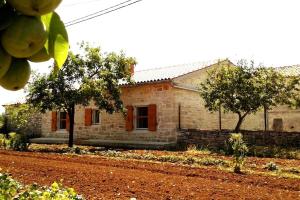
(239, 149)
(2, 121)
(55, 37)
(8, 187)
(93, 76)
(11, 189)
(271, 166)
(244, 89)
(19, 116)
(14, 141)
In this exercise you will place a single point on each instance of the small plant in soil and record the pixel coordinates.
(239, 149)
(271, 166)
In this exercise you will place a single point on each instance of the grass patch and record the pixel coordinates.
(187, 160)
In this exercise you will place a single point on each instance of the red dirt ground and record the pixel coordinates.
(103, 178)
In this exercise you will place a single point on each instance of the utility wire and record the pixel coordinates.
(80, 18)
(101, 12)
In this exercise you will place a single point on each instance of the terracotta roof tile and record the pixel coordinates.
(293, 70)
(170, 72)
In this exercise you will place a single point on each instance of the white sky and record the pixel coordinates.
(166, 32)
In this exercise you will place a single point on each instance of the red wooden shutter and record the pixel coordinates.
(88, 117)
(152, 117)
(129, 118)
(68, 122)
(54, 121)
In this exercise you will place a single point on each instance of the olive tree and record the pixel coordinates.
(244, 89)
(92, 76)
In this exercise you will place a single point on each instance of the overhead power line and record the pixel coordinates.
(102, 12)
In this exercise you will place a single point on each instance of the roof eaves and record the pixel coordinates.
(146, 82)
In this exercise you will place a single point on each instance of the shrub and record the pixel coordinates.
(239, 149)
(271, 166)
(18, 142)
(14, 141)
(11, 189)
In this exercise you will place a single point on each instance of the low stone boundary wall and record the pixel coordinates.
(260, 138)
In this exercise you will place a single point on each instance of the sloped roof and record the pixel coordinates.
(293, 70)
(169, 72)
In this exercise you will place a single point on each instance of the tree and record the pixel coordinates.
(92, 76)
(19, 117)
(243, 89)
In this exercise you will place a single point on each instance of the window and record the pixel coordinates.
(142, 117)
(62, 120)
(96, 117)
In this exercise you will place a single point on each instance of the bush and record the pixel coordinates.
(18, 142)
(14, 141)
(11, 189)
(239, 149)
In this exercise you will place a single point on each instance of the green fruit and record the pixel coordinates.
(34, 7)
(5, 61)
(17, 75)
(24, 37)
(40, 56)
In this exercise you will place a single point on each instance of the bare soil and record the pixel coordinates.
(106, 178)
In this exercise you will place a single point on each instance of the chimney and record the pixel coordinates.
(132, 69)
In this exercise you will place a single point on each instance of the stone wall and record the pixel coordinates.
(216, 139)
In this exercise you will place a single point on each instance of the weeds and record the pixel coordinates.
(195, 150)
(271, 166)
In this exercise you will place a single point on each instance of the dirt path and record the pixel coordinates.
(102, 178)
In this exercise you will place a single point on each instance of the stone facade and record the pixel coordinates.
(179, 105)
(112, 126)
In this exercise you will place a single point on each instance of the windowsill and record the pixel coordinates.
(61, 131)
(141, 131)
(98, 124)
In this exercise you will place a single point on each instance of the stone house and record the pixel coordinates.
(160, 103)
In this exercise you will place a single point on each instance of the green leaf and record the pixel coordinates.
(58, 43)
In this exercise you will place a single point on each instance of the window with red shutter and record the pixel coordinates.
(129, 118)
(152, 117)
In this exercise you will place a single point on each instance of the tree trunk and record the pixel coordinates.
(239, 123)
(71, 129)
